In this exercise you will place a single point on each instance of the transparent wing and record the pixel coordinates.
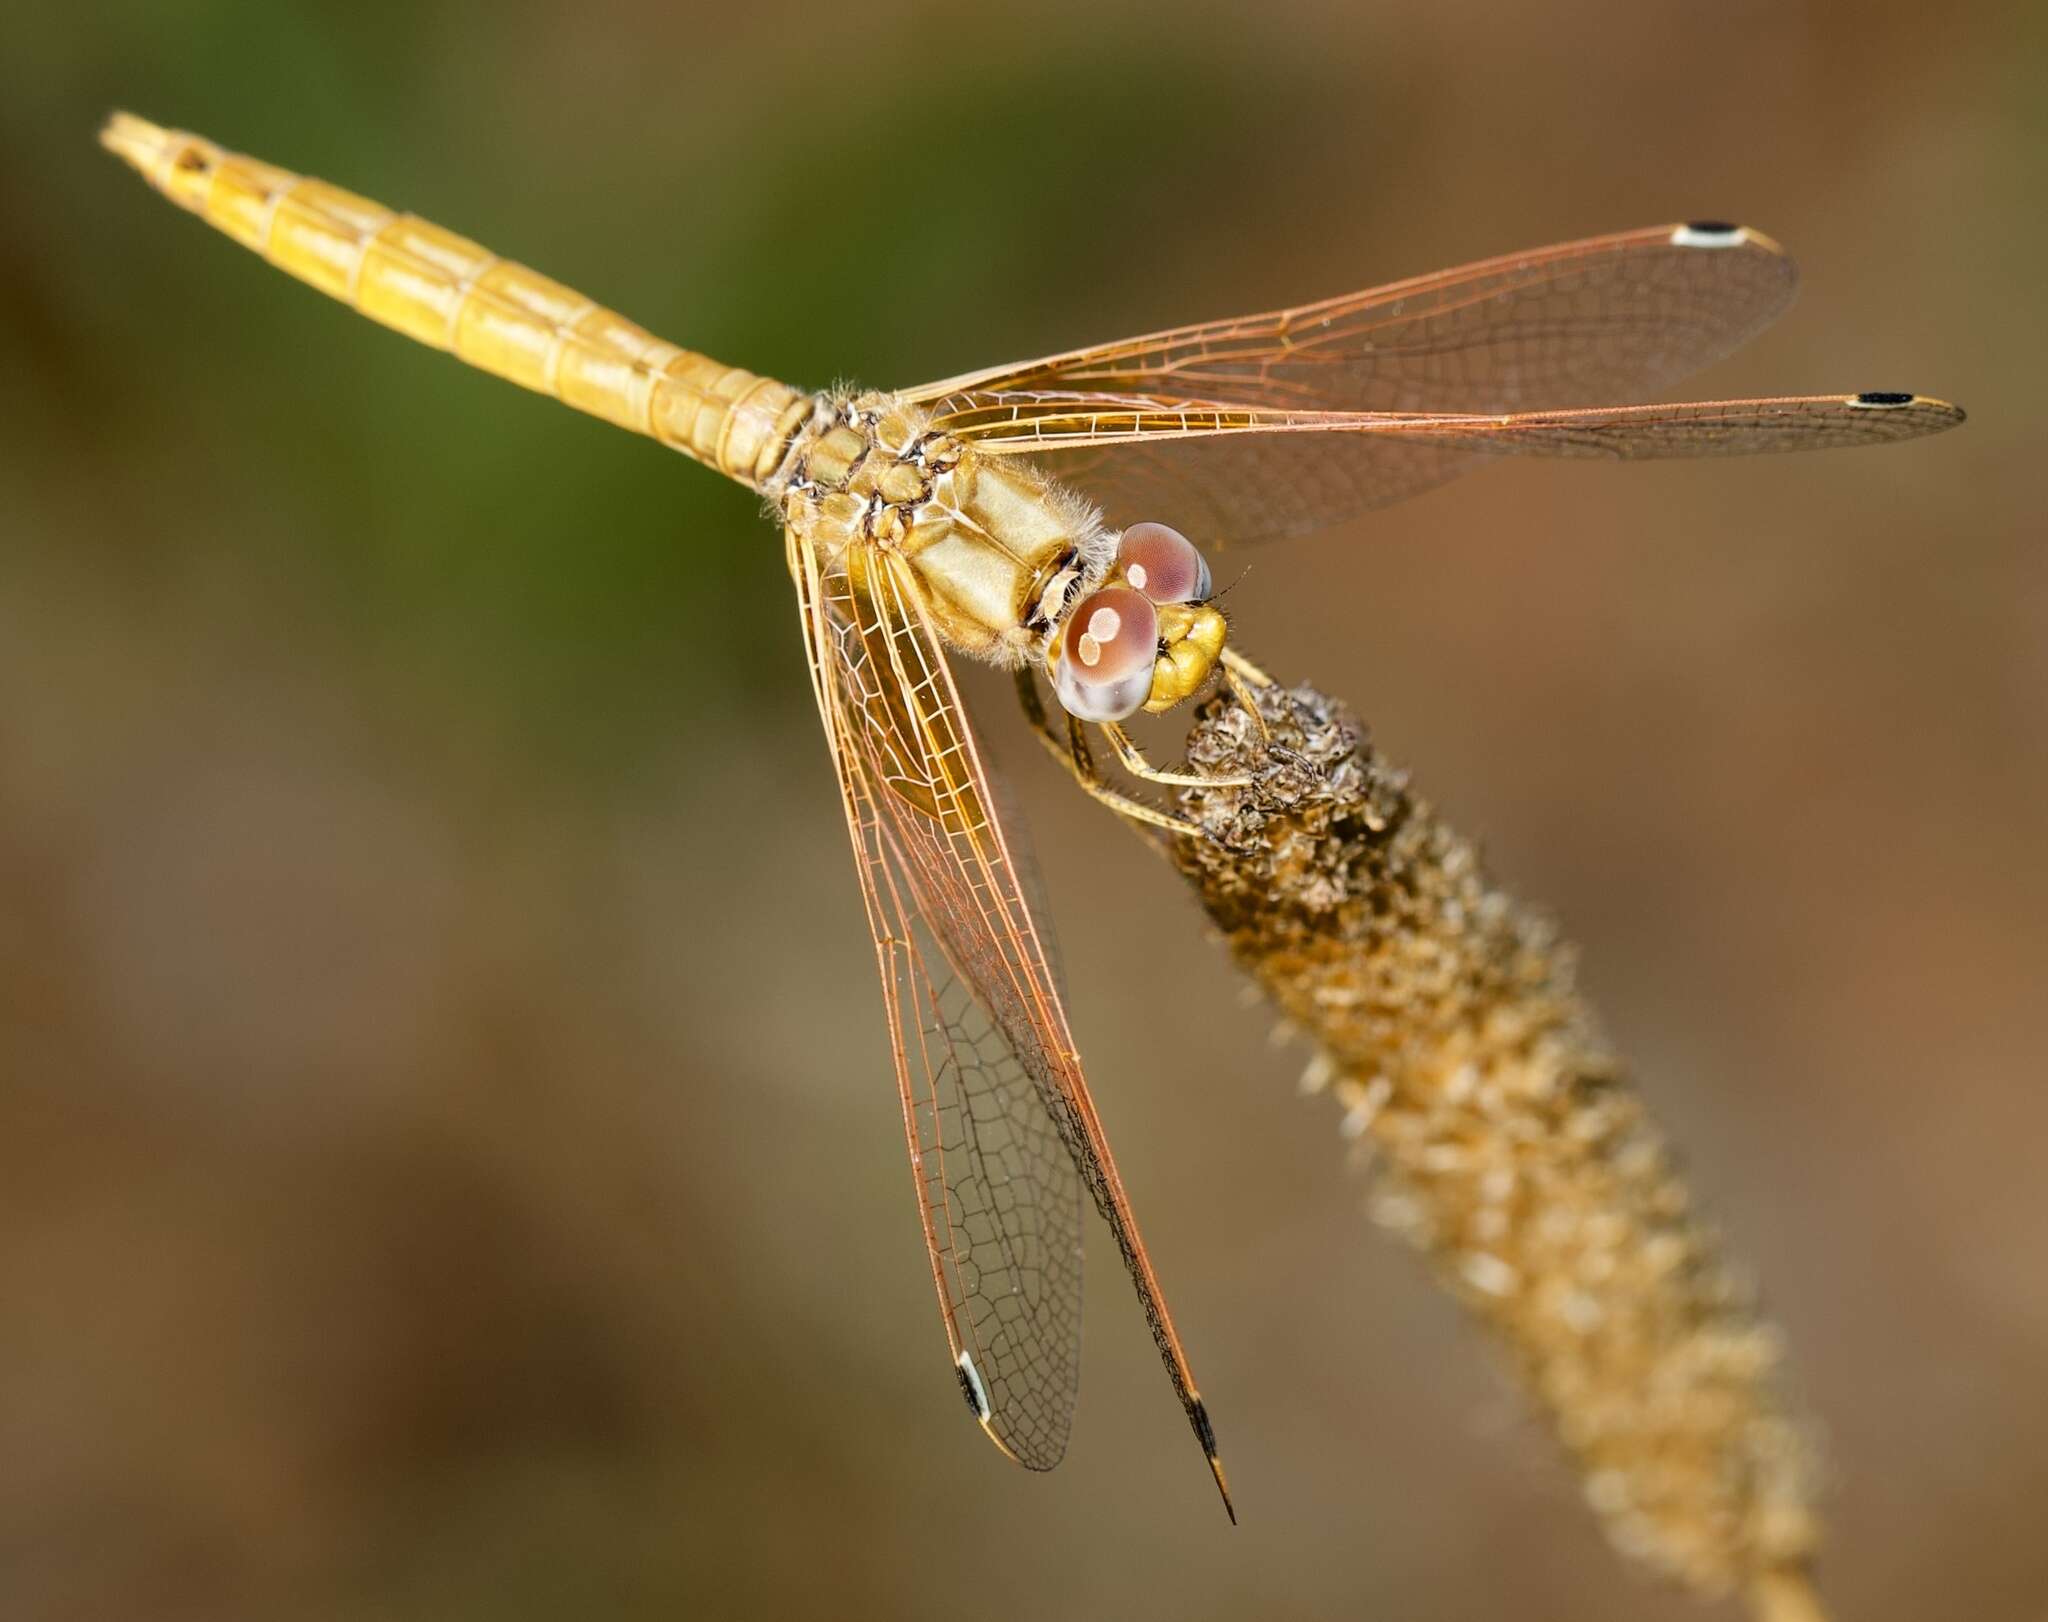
(1240, 473)
(1606, 317)
(1399, 388)
(1000, 1125)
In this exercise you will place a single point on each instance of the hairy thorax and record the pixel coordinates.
(998, 548)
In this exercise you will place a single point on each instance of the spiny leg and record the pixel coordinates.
(1236, 664)
(1243, 676)
(1134, 762)
(1071, 751)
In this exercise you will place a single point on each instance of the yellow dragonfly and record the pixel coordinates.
(1013, 515)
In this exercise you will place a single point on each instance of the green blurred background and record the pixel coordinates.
(448, 1165)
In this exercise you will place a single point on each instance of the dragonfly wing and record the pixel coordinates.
(1245, 473)
(1604, 318)
(1226, 474)
(1001, 1129)
(1805, 422)
(997, 1189)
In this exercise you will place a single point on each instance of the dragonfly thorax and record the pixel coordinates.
(998, 548)
(1014, 567)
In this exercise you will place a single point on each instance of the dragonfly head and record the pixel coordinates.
(1146, 638)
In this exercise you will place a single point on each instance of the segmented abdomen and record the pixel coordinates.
(451, 293)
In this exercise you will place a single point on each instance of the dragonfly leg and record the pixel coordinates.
(1236, 664)
(1071, 751)
(1243, 676)
(1134, 762)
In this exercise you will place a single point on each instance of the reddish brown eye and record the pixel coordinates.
(1163, 564)
(1107, 648)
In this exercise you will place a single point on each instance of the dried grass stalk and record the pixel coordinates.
(1508, 1145)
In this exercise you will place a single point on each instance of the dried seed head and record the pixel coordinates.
(1509, 1146)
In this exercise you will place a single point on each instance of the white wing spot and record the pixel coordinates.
(1709, 236)
(977, 1393)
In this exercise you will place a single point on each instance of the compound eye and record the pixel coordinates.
(1107, 650)
(1163, 564)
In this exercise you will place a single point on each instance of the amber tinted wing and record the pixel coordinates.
(996, 1108)
(1226, 475)
(1249, 472)
(1568, 325)
(1223, 444)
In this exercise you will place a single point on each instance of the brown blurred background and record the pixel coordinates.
(448, 1165)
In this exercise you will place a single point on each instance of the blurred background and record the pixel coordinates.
(448, 1161)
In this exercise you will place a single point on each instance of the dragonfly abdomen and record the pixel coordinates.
(454, 294)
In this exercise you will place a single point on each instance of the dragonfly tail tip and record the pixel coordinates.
(135, 140)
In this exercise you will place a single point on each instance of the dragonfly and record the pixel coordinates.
(1035, 516)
